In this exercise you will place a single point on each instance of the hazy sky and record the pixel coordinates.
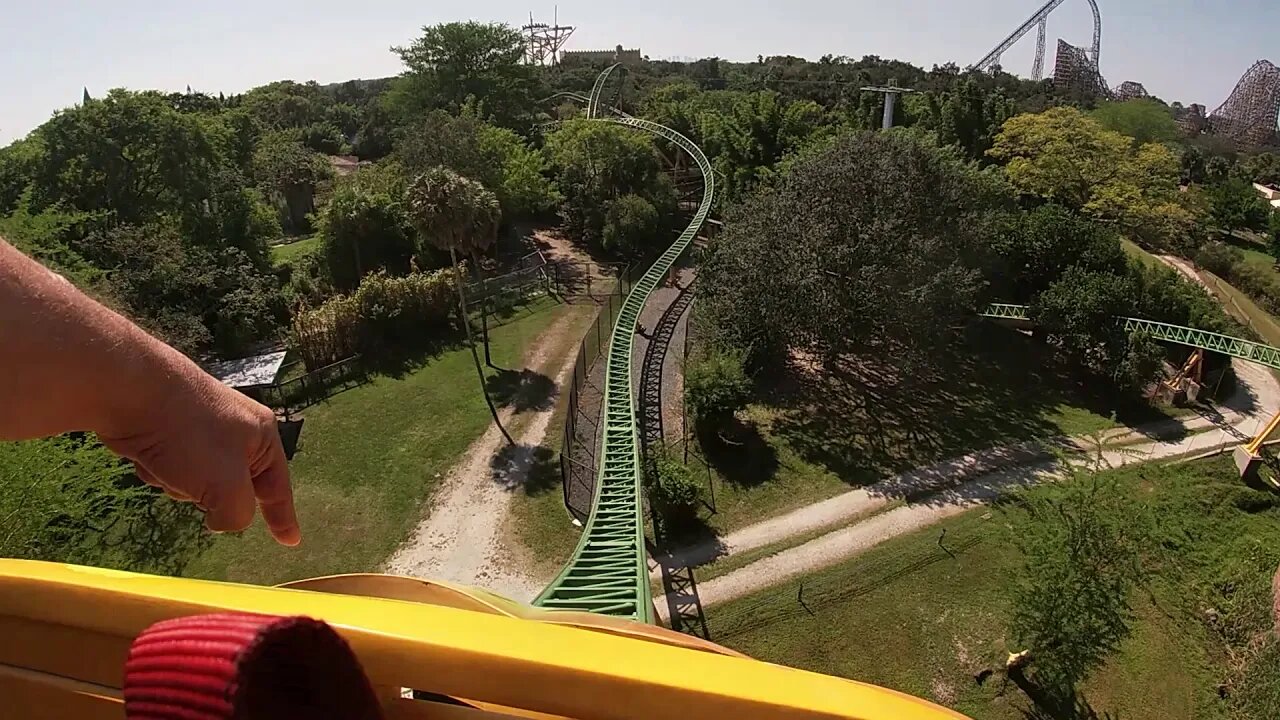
(1188, 50)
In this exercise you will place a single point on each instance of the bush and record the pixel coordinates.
(675, 493)
(716, 385)
(631, 226)
(365, 228)
(324, 137)
(383, 317)
(1218, 258)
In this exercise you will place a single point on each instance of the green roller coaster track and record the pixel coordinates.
(608, 573)
(1191, 337)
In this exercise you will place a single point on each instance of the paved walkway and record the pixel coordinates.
(946, 489)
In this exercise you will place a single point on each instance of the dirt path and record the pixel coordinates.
(460, 539)
(952, 487)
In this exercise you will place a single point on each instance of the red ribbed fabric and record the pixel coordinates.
(245, 667)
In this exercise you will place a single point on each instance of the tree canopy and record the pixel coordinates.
(454, 63)
(1065, 156)
(1143, 119)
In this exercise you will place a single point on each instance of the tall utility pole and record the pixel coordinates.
(543, 41)
(891, 93)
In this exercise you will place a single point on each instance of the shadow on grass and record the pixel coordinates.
(866, 419)
(521, 390)
(1055, 703)
(739, 453)
(530, 468)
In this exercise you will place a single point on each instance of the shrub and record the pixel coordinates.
(716, 385)
(630, 226)
(383, 317)
(1218, 258)
(675, 493)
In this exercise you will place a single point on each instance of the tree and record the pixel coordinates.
(597, 163)
(1236, 205)
(716, 385)
(968, 116)
(1273, 229)
(845, 257)
(495, 157)
(1063, 155)
(281, 164)
(631, 225)
(1143, 119)
(365, 227)
(454, 63)
(1038, 246)
(456, 214)
(1078, 311)
(1080, 541)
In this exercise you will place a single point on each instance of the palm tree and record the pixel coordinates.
(457, 214)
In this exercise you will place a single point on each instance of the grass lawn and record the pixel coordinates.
(290, 251)
(369, 458)
(810, 438)
(1135, 251)
(909, 616)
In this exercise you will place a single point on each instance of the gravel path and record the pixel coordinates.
(952, 487)
(460, 539)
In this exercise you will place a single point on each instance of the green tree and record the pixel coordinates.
(597, 163)
(69, 499)
(1078, 312)
(366, 227)
(631, 226)
(968, 116)
(1262, 168)
(282, 165)
(1236, 205)
(716, 385)
(457, 62)
(846, 257)
(1063, 155)
(495, 157)
(1080, 541)
(457, 214)
(1143, 119)
(325, 138)
(1038, 246)
(1273, 230)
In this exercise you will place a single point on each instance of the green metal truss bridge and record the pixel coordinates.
(608, 573)
(1177, 334)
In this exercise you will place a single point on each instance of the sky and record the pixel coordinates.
(1185, 50)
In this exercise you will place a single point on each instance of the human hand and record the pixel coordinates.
(202, 442)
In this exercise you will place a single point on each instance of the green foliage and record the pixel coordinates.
(365, 227)
(968, 116)
(1273, 234)
(750, 132)
(453, 213)
(1143, 119)
(286, 104)
(1236, 205)
(68, 499)
(1262, 168)
(455, 63)
(384, 317)
(631, 226)
(284, 166)
(325, 138)
(675, 492)
(1065, 156)
(1078, 313)
(495, 157)
(17, 165)
(716, 384)
(598, 163)
(846, 256)
(1037, 247)
(1080, 541)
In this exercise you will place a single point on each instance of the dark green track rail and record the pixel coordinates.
(608, 573)
(1191, 337)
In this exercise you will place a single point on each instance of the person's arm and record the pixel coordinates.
(67, 363)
